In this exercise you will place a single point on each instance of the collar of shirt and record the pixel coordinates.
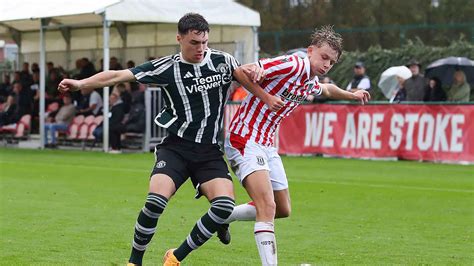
(207, 55)
(307, 66)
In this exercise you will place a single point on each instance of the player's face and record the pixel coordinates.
(321, 59)
(193, 44)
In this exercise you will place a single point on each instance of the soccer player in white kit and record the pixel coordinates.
(249, 144)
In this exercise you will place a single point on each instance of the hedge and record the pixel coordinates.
(377, 60)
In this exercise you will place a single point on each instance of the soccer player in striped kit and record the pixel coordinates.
(195, 85)
(249, 144)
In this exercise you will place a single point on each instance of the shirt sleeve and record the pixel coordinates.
(152, 72)
(316, 89)
(279, 66)
(233, 63)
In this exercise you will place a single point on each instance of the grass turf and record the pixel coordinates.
(69, 207)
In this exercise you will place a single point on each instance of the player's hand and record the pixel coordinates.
(274, 103)
(68, 85)
(254, 72)
(362, 96)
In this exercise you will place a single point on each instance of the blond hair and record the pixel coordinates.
(326, 34)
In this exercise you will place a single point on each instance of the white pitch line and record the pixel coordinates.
(386, 186)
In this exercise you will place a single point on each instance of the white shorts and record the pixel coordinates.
(246, 157)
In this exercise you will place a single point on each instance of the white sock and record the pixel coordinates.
(243, 212)
(266, 243)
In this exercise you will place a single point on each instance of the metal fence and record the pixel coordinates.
(154, 103)
(136, 54)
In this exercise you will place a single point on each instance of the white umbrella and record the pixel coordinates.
(388, 82)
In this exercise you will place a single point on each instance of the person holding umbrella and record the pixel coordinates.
(392, 82)
(460, 90)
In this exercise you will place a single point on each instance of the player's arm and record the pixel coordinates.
(244, 75)
(334, 92)
(99, 80)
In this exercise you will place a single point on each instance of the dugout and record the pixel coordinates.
(64, 30)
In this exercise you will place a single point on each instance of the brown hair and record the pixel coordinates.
(326, 34)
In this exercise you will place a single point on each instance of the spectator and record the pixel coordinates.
(415, 86)
(89, 103)
(114, 64)
(125, 95)
(9, 114)
(34, 68)
(25, 76)
(77, 70)
(35, 92)
(460, 90)
(136, 118)
(52, 85)
(434, 91)
(5, 88)
(360, 81)
(61, 121)
(49, 67)
(116, 117)
(16, 76)
(130, 64)
(87, 69)
(401, 93)
(24, 99)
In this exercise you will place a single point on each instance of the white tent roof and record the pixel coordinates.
(24, 15)
(220, 12)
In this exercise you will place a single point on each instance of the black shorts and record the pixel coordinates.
(180, 159)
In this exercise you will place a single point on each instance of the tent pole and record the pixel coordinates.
(256, 47)
(42, 84)
(106, 60)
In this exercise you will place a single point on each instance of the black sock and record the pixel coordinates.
(221, 208)
(145, 226)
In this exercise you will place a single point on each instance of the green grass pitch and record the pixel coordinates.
(79, 208)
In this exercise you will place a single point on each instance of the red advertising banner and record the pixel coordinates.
(412, 132)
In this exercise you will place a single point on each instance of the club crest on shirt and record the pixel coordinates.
(260, 160)
(160, 164)
(225, 70)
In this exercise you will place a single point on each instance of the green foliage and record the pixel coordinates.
(363, 23)
(377, 60)
(6, 66)
(79, 208)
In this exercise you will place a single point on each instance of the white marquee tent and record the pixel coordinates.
(70, 25)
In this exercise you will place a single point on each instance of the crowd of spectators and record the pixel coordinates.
(417, 88)
(20, 95)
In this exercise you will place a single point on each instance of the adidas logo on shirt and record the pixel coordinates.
(188, 75)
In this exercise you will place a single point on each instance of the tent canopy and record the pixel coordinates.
(25, 15)
(21, 18)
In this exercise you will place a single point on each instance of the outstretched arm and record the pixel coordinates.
(248, 76)
(334, 92)
(99, 80)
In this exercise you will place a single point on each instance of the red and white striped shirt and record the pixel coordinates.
(287, 77)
